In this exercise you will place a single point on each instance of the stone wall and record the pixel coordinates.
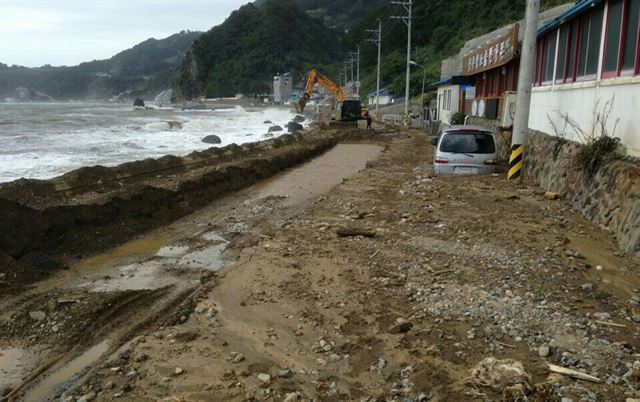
(611, 198)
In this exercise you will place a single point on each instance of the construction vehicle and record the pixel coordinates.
(346, 109)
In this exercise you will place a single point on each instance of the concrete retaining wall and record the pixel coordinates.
(611, 198)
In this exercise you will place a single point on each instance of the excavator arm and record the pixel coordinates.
(314, 78)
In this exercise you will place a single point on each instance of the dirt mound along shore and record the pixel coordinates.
(94, 208)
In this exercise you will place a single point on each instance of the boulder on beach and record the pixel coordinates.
(299, 118)
(268, 122)
(212, 139)
(293, 126)
(138, 102)
(273, 129)
(267, 135)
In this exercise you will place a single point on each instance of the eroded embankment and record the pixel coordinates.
(48, 223)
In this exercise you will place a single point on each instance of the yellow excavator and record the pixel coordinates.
(346, 109)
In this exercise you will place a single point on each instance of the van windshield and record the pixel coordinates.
(468, 143)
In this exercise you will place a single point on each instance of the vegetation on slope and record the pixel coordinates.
(257, 41)
(440, 28)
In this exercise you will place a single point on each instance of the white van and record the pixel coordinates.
(465, 150)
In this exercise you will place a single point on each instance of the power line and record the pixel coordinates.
(377, 39)
(407, 5)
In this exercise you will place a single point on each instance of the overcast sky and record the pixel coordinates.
(68, 32)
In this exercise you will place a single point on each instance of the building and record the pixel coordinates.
(451, 95)
(386, 97)
(282, 88)
(482, 79)
(587, 74)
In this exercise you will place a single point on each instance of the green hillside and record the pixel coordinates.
(272, 36)
(144, 70)
(440, 28)
(254, 43)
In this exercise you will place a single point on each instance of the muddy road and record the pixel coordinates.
(256, 296)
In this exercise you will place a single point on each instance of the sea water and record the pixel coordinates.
(44, 140)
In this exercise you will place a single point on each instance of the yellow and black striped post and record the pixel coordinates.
(515, 162)
(405, 119)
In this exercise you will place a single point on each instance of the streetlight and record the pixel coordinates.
(424, 76)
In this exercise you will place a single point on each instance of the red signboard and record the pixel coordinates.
(496, 53)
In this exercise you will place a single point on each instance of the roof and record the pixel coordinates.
(382, 92)
(581, 7)
(466, 128)
(455, 80)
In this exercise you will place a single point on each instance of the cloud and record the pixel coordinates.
(24, 20)
(68, 32)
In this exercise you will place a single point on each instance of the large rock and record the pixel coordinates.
(212, 139)
(274, 129)
(299, 118)
(292, 127)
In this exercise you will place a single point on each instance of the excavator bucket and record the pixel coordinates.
(301, 103)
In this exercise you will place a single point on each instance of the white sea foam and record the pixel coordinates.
(45, 140)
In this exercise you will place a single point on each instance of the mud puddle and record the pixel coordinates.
(92, 266)
(319, 175)
(207, 257)
(57, 381)
(15, 365)
(142, 276)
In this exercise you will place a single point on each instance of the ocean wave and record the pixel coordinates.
(163, 126)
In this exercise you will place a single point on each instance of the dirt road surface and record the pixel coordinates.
(268, 295)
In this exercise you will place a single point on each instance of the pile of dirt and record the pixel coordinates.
(49, 224)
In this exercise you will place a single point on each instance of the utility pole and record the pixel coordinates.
(523, 98)
(407, 20)
(424, 77)
(377, 39)
(346, 74)
(357, 54)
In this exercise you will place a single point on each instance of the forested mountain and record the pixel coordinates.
(270, 36)
(143, 70)
(254, 43)
(266, 37)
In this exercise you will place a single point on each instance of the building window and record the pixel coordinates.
(573, 49)
(539, 58)
(621, 48)
(589, 49)
(563, 49)
(612, 35)
(630, 48)
(549, 57)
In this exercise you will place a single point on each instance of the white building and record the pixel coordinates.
(588, 71)
(282, 88)
(386, 98)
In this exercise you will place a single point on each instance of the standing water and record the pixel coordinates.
(44, 140)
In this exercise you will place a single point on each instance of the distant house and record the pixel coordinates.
(282, 88)
(386, 98)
